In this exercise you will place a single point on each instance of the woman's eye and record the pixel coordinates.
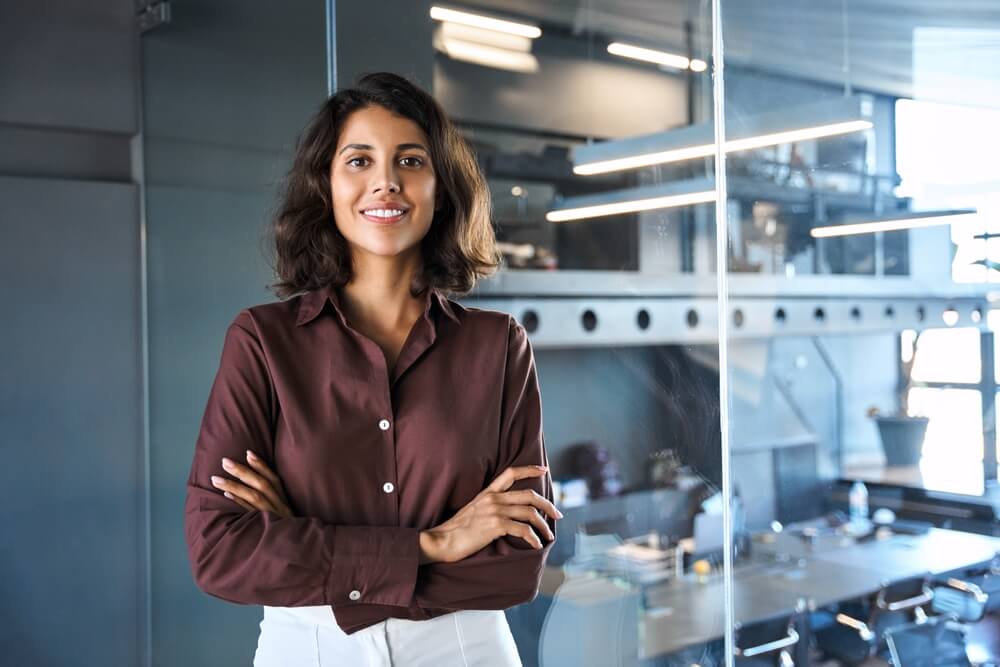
(355, 159)
(416, 162)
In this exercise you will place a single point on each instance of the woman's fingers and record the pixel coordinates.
(526, 514)
(258, 464)
(529, 497)
(525, 532)
(239, 501)
(252, 497)
(253, 479)
(504, 480)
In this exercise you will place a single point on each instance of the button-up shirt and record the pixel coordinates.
(367, 458)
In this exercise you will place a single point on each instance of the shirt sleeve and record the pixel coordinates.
(508, 571)
(257, 557)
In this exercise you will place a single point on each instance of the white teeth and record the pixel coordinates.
(384, 212)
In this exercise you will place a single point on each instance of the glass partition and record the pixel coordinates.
(859, 194)
(226, 88)
(845, 512)
(610, 265)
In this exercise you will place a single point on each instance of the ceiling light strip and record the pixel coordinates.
(648, 55)
(913, 221)
(814, 121)
(485, 22)
(634, 200)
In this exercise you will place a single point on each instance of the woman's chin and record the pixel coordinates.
(386, 250)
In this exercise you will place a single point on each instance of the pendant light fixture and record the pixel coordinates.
(894, 223)
(798, 123)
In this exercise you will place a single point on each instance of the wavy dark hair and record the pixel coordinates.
(309, 250)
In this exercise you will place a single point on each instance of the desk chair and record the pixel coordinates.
(767, 644)
(853, 640)
(974, 600)
(982, 641)
(968, 599)
(937, 642)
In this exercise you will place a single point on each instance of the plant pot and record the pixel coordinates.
(902, 439)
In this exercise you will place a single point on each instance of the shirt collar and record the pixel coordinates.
(311, 303)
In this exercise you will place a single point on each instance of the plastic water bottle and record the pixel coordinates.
(857, 500)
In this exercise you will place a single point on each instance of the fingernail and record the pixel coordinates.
(227, 495)
(227, 464)
(560, 514)
(216, 480)
(251, 456)
(542, 467)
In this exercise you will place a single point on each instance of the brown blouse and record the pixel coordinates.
(367, 460)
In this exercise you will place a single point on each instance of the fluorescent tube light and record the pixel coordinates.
(908, 221)
(487, 22)
(648, 55)
(490, 56)
(841, 116)
(634, 200)
(500, 40)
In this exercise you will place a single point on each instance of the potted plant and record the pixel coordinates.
(902, 434)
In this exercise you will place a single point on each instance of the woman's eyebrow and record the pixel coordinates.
(368, 147)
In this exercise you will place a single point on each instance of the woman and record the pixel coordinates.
(387, 493)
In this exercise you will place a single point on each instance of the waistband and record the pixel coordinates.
(318, 615)
(323, 615)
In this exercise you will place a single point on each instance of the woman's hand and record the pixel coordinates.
(493, 513)
(260, 489)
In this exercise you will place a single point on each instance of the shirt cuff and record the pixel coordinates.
(373, 565)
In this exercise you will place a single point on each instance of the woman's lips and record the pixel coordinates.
(384, 221)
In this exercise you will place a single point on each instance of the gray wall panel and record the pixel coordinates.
(70, 64)
(227, 87)
(71, 409)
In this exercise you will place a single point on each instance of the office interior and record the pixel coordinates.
(753, 243)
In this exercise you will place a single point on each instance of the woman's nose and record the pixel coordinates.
(386, 181)
(388, 186)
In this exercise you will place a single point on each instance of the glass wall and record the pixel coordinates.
(860, 189)
(609, 264)
(784, 461)
(226, 88)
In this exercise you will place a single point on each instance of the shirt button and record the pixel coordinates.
(355, 595)
(388, 487)
(384, 424)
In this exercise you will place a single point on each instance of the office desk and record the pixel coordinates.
(686, 612)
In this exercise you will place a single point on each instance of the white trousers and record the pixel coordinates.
(310, 637)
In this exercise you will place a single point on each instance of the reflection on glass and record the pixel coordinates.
(859, 448)
(629, 374)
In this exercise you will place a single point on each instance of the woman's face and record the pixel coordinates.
(382, 183)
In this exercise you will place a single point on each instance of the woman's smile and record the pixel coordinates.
(384, 216)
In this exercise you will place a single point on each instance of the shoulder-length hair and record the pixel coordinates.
(309, 250)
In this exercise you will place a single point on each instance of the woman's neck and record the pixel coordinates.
(379, 293)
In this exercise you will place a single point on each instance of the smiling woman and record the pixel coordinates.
(383, 184)
(393, 503)
(387, 129)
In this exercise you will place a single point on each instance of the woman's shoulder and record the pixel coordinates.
(477, 316)
(481, 320)
(265, 316)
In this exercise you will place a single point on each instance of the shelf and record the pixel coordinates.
(531, 282)
(595, 321)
